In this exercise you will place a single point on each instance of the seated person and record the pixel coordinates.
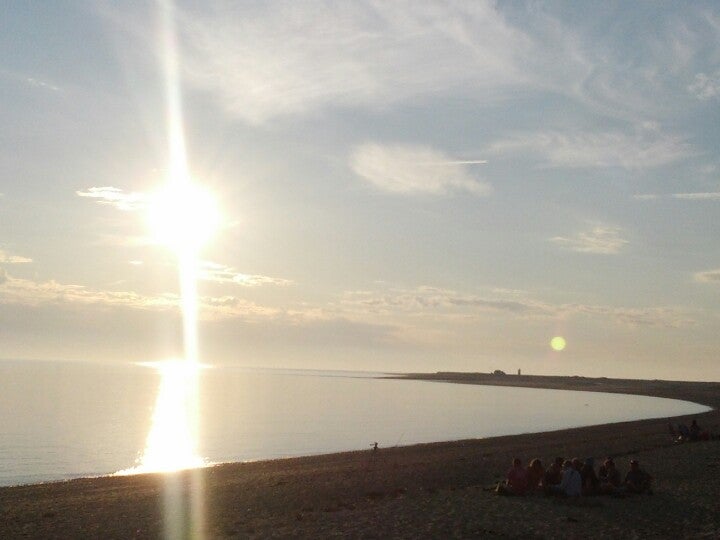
(590, 482)
(516, 482)
(609, 477)
(684, 433)
(553, 474)
(570, 484)
(637, 480)
(535, 475)
(695, 431)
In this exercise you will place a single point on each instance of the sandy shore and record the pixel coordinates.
(436, 490)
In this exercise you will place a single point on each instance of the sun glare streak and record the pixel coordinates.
(183, 217)
(178, 169)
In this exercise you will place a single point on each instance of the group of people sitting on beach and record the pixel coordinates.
(689, 434)
(573, 478)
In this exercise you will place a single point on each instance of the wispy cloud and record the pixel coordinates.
(426, 298)
(696, 196)
(265, 60)
(7, 258)
(706, 86)
(30, 292)
(411, 169)
(703, 196)
(644, 149)
(271, 59)
(35, 293)
(219, 273)
(38, 83)
(708, 276)
(601, 239)
(451, 304)
(116, 197)
(667, 317)
(32, 81)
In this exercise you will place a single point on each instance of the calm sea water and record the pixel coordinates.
(62, 420)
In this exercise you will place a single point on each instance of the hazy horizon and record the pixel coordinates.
(405, 186)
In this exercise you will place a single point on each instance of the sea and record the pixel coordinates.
(61, 420)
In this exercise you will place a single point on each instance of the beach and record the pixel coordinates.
(438, 490)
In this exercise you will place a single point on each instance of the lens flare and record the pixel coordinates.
(558, 343)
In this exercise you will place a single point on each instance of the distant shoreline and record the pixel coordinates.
(702, 393)
(435, 490)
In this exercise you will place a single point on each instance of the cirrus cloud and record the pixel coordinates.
(644, 149)
(701, 196)
(414, 169)
(708, 276)
(265, 60)
(601, 239)
(690, 196)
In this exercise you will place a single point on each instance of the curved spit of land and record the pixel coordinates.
(705, 393)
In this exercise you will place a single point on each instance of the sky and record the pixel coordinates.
(403, 186)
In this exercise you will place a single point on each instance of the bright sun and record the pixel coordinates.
(183, 216)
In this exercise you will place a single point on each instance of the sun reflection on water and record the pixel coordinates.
(171, 443)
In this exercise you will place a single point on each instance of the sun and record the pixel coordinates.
(182, 216)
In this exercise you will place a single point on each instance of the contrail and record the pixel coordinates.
(458, 162)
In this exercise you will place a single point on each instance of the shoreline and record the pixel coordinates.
(426, 490)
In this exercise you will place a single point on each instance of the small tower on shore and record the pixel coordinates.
(519, 372)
